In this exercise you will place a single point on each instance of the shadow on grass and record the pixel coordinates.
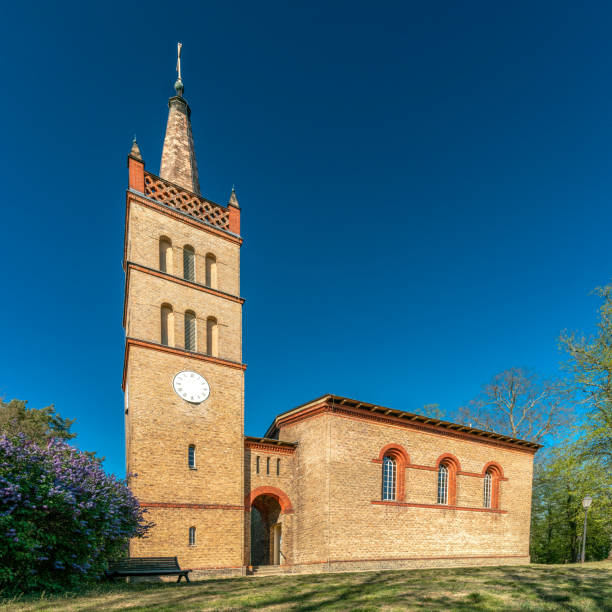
(465, 589)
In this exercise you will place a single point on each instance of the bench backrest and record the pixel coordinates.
(145, 563)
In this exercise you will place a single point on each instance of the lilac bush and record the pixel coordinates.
(62, 518)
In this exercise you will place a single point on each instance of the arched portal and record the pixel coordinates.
(266, 531)
(266, 506)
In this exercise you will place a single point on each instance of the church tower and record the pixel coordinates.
(183, 374)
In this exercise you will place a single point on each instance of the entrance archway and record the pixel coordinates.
(266, 506)
(266, 531)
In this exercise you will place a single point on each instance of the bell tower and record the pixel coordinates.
(183, 374)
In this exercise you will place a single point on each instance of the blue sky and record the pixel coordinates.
(424, 187)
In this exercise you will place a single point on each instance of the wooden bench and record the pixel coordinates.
(147, 566)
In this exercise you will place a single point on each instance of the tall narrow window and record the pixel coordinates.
(268, 465)
(389, 492)
(443, 484)
(257, 464)
(212, 337)
(278, 467)
(167, 325)
(188, 263)
(493, 475)
(192, 536)
(165, 255)
(211, 271)
(190, 331)
(487, 490)
(191, 457)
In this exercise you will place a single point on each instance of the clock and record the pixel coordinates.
(191, 387)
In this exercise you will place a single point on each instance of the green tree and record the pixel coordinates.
(563, 476)
(590, 367)
(518, 403)
(39, 425)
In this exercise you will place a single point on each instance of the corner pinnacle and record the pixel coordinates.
(233, 200)
(135, 151)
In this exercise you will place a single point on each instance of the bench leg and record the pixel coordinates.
(179, 577)
(187, 577)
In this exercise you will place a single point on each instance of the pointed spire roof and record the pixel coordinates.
(233, 200)
(178, 163)
(135, 150)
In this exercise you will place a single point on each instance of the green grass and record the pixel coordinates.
(530, 587)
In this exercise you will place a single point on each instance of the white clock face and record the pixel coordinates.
(191, 387)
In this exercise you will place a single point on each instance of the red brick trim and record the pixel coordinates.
(402, 459)
(378, 502)
(281, 496)
(415, 466)
(129, 342)
(136, 174)
(175, 214)
(363, 415)
(268, 448)
(191, 506)
(234, 219)
(495, 466)
(452, 464)
(395, 449)
(448, 458)
(182, 281)
(497, 475)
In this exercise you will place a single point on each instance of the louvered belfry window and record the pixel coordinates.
(188, 263)
(190, 331)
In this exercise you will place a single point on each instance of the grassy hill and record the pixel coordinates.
(533, 587)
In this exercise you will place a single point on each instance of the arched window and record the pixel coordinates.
(190, 331)
(487, 489)
(191, 456)
(278, 467)
(192, 536)
(394, 460)
(167, 325)
(443, 484)
(212, 337)
(492, 476)
(389, 488)
(165, 255)
(448, 466)
(257, 464)
(211, 271)
(188, 263)
(268, 465)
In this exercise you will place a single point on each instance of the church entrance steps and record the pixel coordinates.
(268, 570)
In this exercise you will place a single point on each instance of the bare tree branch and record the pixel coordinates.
(517, 403)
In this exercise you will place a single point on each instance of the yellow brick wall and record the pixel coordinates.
(147, 293)
(284, 481)
(336, 481)
(146, 226)
(160, 426)
(310, 488)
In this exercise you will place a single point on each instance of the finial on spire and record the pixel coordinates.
(178, 86)
(135, 151)
(233, 201)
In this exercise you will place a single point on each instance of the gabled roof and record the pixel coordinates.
(335, 403)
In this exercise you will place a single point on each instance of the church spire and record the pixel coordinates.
(178, 163)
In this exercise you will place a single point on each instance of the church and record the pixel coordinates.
(335, 484)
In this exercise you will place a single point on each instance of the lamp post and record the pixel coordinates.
(586, 502)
